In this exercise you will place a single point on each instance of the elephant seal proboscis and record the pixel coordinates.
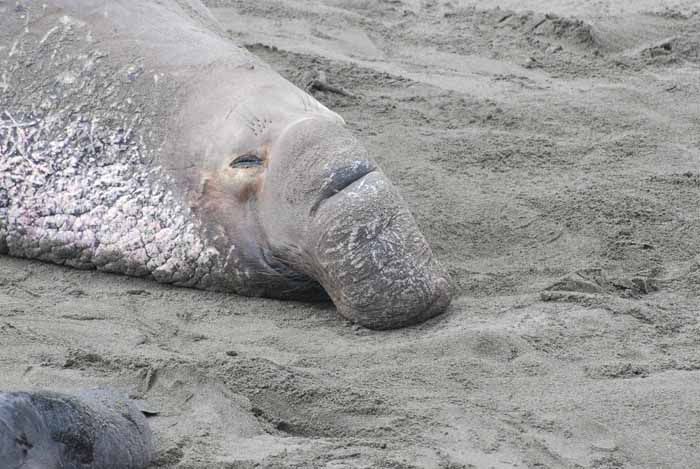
(92, 429)
(136, 138)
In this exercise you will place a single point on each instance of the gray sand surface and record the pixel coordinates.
(550, 154)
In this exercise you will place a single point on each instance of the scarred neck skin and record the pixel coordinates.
(116, 215)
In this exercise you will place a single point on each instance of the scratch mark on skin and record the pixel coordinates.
(48, 33)
(254, 123)
(305, 102)
(5, 85)
(229, 113)
(13, 50)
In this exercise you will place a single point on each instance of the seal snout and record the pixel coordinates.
(341, 178)
(341, 221)
(373, 261)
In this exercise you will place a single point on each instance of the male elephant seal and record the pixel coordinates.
(136, 138)
(94, 429)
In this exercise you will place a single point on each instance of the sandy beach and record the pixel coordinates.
(550, 153)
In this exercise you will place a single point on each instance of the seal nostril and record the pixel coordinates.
(340, 178)
(343, 177)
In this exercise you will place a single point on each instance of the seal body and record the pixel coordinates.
(93, 429)
(136, 138)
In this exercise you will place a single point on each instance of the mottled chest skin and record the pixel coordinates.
(80, 180)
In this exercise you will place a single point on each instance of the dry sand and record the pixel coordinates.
(529, 145)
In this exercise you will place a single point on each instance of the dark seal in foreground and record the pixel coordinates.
(136, 138)
(94, 429)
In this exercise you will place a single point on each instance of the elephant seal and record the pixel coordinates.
(93, 429)
(136, 138)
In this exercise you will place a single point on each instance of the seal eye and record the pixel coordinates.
(248, 160)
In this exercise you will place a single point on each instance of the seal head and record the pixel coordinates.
(308, 210)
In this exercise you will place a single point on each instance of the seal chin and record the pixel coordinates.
(386, 313)
(290, 283)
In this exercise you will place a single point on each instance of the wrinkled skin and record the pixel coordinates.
(249, 184)
(93, 429)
